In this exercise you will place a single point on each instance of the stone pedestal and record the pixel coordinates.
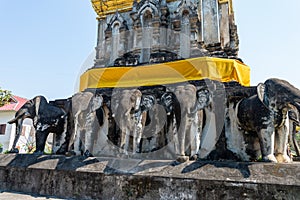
(112, 178)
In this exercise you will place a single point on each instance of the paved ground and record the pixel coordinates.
(10, 195)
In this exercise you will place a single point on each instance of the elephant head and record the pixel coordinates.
(277, 94)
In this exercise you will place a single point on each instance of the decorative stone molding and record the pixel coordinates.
(156, 30)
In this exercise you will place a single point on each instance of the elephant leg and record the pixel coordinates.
(91, 130)
(73, 138)
(139, 131)
(17, 136)
(137, 146)
(60, 141)
(122, 129)
(196, 130)
(281, 141)
(41, 137)
(78, 134)
(135, 139)
(56, 143)
(77, 143)
(266, 138)
(89, 143)
(181, 142)
(235, 140)
(62, 149)
(13, 148)
(296, 146)
(189, 135)
(127, 140)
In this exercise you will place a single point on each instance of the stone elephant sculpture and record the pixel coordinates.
(88, 117)
(192, 103)
(294, 121)
(46, 118)
(263, 114)
(157, 110)
(147, 130)
(125, 106)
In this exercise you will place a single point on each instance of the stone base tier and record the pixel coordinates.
(115, 178)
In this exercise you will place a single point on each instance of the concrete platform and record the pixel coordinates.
(115, 178)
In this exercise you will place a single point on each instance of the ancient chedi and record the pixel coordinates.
(154, 54)
(133, 33)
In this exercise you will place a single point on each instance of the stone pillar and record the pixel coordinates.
(147, 36)
(174, 42)
(115, 43)
(107, 45)
(163, 28)
(137, 35)
(185, 36)
(199, 23)
(194, 35)
(100, 48)
(124, 37)
(155, 45)
(210, 21)
(224, 24)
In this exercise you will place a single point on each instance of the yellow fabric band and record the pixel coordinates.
(224, 70)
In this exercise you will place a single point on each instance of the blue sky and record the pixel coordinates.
(43, 44)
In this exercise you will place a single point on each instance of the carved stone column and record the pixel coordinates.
(194, 35)
(108, 45)
(163, 28)
(155, 45)
(210, 21)
(136, 34)
(175, 36)
(123, 39)
(224, 24)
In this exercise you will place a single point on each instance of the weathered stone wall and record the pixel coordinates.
(111, 178)
(162, 31)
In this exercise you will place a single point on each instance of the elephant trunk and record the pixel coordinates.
(14, 120)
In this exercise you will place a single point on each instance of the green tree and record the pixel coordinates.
(4, 96)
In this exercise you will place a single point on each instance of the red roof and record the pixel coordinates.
(14, 104)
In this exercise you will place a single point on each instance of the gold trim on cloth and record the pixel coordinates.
(224, 70)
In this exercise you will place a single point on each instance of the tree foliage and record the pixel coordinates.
(5, 95)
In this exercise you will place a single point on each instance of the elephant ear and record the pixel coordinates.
(261, 93)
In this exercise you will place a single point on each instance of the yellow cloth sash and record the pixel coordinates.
(224, 70)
